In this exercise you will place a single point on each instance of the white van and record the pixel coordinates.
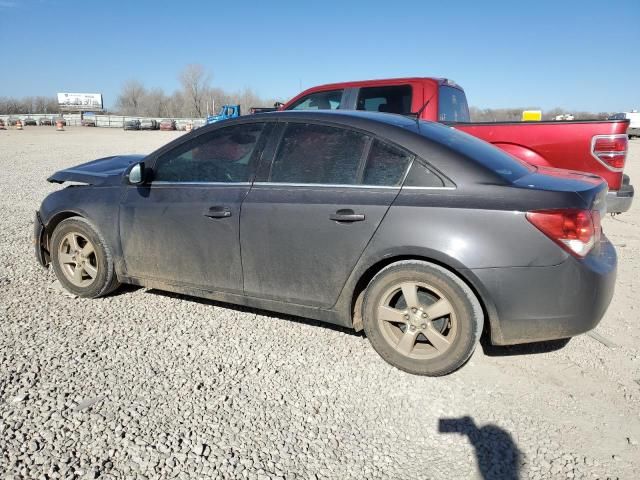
(634, 118)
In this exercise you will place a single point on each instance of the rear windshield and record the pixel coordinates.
(497, 160)
(452, 105)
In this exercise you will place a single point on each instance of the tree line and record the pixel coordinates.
(27, 105)
(515, 114)
(195, 98)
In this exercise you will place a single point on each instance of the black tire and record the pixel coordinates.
(466, 313)
(105, 280)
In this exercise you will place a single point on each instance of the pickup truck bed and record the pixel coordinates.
(559, 143)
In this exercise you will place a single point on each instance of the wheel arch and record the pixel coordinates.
(51, 225)
(466, 275)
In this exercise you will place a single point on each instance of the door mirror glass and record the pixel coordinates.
(136, 174)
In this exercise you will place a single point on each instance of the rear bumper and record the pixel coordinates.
(548, 303)
(619, 201)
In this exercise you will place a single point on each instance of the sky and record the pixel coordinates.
(578, 55)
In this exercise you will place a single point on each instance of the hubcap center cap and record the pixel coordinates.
(418, 318)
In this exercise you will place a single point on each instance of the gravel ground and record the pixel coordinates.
(145, 384)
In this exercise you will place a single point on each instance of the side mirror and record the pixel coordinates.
(136, 174)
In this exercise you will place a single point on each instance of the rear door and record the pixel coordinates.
(183, 226)
(313, 210)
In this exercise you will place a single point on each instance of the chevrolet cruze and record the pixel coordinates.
(417, 233)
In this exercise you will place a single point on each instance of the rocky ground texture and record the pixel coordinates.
(144, 384)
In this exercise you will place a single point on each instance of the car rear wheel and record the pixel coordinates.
(422, 318)
(81, 259)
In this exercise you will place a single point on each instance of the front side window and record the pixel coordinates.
(223, 155)
(319, 101)
(452, 105)
(394, 99)
(386, 165)
(318, 154)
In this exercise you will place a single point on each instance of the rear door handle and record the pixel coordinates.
(218, 212)
(346, 215)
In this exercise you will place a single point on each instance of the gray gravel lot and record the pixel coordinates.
(145, 384)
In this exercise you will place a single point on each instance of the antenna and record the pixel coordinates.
(419, 112)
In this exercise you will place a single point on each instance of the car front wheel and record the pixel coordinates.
(422, 318)
(81, 259)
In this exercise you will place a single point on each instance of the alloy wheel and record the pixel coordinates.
(417, 320)
(77, 259)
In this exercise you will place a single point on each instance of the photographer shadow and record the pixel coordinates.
(497, 454)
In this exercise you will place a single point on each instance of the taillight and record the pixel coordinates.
(577, 231)
(611, 150)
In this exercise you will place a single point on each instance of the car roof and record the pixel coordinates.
(395, 127)
(377, 82)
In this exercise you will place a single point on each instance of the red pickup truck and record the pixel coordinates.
(594, 146)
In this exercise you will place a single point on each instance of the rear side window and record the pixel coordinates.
(452, 105)
(318, 154)
(421, 176)
(395, 99)
(319, 101)
(386, 165)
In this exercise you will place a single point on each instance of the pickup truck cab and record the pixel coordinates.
(593, 146)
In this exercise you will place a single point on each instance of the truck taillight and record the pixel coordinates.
(611, 150)
(577, 231)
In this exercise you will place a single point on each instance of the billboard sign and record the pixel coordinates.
(80, 101)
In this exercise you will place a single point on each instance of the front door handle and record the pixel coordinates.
(218, 212)
(346, 215)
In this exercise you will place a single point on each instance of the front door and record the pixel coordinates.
(183, 226)
(307, 222)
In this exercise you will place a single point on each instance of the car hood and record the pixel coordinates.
(97, 172)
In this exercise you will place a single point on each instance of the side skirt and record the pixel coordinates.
(328, 316)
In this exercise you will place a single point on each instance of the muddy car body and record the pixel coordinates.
(417, 232)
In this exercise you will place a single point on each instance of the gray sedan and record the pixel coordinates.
(419, 234)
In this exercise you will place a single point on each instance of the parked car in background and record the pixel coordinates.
(412, 230)
(2, 126)
(167, 124)
(45, 121)
(634, 121)
(11, 122)
(592, 146)
(30, 122)
(89, 121)
(132, 125)
(148, 124)
(61, 120)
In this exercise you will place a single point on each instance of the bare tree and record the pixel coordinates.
(154, 103)
(130, 97)
(195, 84)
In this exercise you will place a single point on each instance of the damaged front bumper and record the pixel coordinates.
(42, 255)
